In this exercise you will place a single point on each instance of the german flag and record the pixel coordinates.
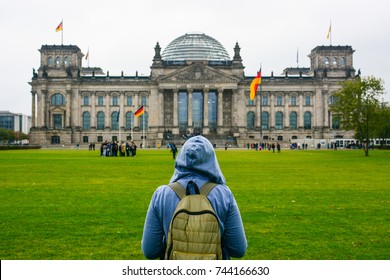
(139, 112)
(59, 27)
(254, 84)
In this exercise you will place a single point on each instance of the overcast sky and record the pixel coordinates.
(121, 34)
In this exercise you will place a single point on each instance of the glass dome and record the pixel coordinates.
(195, 46)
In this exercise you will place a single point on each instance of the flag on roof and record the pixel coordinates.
(59, 27)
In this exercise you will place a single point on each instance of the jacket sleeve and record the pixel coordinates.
(153, 236)
(234, 240)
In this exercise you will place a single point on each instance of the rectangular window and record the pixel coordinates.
(264, 100)
(115, 100)
(307, 100)
(86, 100)
(85, 139)
(279, 101)
(100, 101)
(293, 101)
(57, 121)
(129, 101)
(251, 102)
(143, 100)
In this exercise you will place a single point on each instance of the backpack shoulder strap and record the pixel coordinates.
(206, 189)
(178, 189)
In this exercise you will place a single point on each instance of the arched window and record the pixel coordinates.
(115, 121)
(307, 120)
(86, 121)
(250, 121)
(335, 122)
(143, 121)
(293, 120)
(57, 99)
(264, 120)
(326, 61)
(334, 62)
(50, 60)
(100, 120)
(279, 120)
(66, 60)
(58, 61)
(342, 61)
(129, 120)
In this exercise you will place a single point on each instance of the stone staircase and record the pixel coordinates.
(218, 141)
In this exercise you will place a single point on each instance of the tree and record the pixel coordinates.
(357, 107)
(383, 130)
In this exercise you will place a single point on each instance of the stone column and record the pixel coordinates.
(160, 107)
(175, 108)
(190, 107)
(44, 106)
(220, 113)
(286, 111)
(318, 107)
(93, 109)
(300, 114)
(272, 110)
(68, 107)
(136, 99)
(257, 114)
(122, 113)
(33, 95)
(326, 110)
(206, 107)
(234, 106)
(107, 122)
(39, 109)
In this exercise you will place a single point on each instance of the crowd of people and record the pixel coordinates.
(115, 149)
(263, 146)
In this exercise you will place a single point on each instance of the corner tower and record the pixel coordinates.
(60, 61)
(332, 61)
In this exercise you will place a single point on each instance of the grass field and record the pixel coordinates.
(74, 204)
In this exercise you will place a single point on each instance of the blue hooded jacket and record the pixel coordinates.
(198, 163)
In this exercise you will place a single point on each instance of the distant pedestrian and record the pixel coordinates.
(173, 150)
(278, 147)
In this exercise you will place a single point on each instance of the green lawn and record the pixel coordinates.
(74, 204)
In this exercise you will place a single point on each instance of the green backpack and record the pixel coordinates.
(194, 229)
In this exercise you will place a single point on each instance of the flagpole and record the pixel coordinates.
(62, 32)
(120, 131)
(261, 108)
(131, 128)
(143, 129)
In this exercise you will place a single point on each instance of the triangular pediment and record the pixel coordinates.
(198, 73)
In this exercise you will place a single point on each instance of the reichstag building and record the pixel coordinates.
(194, 87)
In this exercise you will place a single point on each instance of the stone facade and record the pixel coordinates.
(72, 105)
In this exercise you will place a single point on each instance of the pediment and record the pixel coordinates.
(198, 73)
